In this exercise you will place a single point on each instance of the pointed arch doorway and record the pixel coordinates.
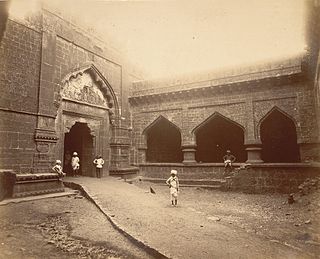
(87, 108)
(80, 140)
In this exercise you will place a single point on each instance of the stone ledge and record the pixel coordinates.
(28, 177)
(249, 165)
(38, 197)
(188, 165)
(124, 170)
(283, 165)
(125, 173)
(22, 185)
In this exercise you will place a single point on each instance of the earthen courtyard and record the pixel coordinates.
(205, 224)
(153, 87)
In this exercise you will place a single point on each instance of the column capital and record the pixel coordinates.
(189, 146)
(252, 142)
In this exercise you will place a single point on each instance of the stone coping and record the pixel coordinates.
(283, 165)
(6, 171)
(125, 170)
(255, 165)
(41, 176)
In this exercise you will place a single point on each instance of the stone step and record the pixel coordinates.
(67, 192)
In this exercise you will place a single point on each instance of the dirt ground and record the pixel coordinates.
(64, 227)
(205, 224)
(269, 216)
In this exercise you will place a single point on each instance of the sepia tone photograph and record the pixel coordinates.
(160, 129)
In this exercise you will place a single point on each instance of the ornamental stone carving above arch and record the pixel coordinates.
(87, 85)
(93, 125)
(83, 88)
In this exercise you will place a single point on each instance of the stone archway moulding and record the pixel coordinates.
(144, 132)
(69, 123)
(214, 115)
(156, 120)
(109, 98)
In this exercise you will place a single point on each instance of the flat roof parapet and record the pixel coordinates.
(218, 77)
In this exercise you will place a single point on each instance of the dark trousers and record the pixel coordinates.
(75, 172)
(98, 172)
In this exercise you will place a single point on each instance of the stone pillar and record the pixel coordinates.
(45, 136)
(253, 149)
(189, 153)
(142, 153)
(119, 144)
(252, 143)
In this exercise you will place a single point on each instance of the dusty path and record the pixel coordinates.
(61, 228)
(186, 231)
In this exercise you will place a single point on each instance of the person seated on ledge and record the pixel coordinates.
(228, 159)
(58, 169)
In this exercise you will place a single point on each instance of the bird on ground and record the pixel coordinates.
(152, 191)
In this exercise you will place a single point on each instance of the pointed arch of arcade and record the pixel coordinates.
(163, 139)
(279, 137)
(215, 136)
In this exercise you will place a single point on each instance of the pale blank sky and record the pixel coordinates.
(176, 37)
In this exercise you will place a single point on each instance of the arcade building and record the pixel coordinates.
(65, 90)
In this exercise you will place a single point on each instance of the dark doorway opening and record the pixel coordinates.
(216, 136)
(279, 139)
(79, 140)
(163, 142)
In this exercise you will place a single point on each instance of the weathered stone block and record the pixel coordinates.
(35, 184)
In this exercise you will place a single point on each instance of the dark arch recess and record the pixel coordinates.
(163, 142)
(217, 135)
(279, 138)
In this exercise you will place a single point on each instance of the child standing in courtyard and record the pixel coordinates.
(99, 164)
(173, 184)
(75, 163)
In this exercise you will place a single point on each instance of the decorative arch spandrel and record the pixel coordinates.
(156, 120)
(233, 112)
(87, 85)
(213, 116)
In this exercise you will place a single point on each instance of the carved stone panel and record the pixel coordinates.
(82, 88)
